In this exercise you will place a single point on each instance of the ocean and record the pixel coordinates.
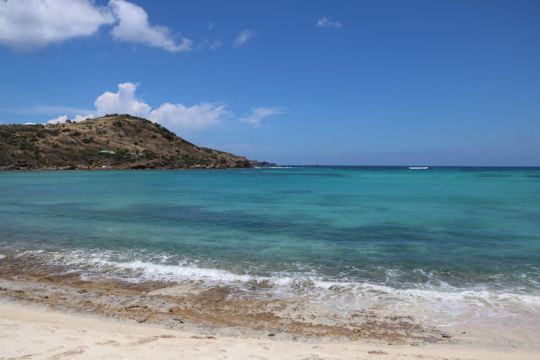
(447, 245)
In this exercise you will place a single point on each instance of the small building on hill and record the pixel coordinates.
(107, 152)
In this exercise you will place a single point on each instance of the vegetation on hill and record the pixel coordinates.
(110, 142)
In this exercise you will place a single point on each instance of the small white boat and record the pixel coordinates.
(418, 167)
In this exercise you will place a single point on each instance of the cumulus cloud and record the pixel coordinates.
(243, 37)
(33, 24)
(196, 117)
(58, 120)
(63, 118)
(257, 115)
(78, 118)
(133, 27)
(177, 117)
(326, 22)
(123, 101)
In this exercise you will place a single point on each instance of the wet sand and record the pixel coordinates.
(213, 310)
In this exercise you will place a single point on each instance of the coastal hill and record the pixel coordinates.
(109, 142)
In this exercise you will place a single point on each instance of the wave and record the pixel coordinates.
(436, 303)
(345, 293)
(473, 310)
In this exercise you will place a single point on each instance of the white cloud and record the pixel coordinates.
(326, 22)
(33, 24)
(58, 120)
(177, 117)
(259, 114)
(196, 117)
(243, 37)
(63, 118)
(133, 27)
(78, 118)
(123, 101)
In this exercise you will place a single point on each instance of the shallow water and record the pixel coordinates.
(452, 239)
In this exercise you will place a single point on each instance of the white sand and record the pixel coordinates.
(28, 332)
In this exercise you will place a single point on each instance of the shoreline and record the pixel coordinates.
(214, 310)
(252, 309)
(33, 332)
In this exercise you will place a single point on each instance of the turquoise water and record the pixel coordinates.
(443, 229)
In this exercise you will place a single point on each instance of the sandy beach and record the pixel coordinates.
(29, 332)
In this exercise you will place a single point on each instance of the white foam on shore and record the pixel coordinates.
(482, 309)
(439, 302)
(138, 270)
(161, 272)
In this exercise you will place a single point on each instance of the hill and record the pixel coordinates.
(110, 142)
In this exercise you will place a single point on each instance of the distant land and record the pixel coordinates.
(109, 142)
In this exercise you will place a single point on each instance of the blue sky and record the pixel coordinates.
(294, 82)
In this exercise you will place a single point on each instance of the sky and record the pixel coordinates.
(292, 82)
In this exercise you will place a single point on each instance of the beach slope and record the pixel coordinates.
(29, 332)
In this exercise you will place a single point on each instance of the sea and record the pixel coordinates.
(450, 245)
